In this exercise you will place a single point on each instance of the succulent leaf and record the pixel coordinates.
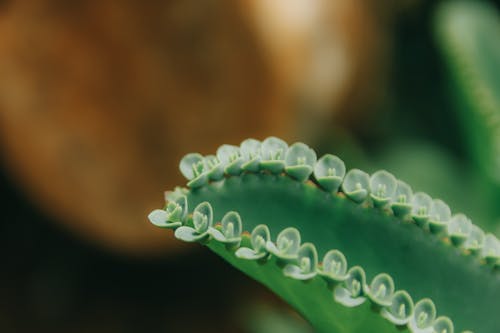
(421, 203)
(400, 310)
(475, 241)
(356, 185)
(459, 229)
(381, 290)
(351, 293)
(382, 187)
(329, 172)
(423, 316)
(258, 240)
(393, 250)
(439, 216)
(307, 261)
(273, 152)
(468, 33)
(300, 161)
(401, 202)
(230, 158)
(173, 216)
(250, 150)
(158, 217)
(231, 228)
(491, 249)
(192, 167)
(443, 325)
(202, 223)
(287, 245)
(334, 267)
(203, 217)
(214, 167)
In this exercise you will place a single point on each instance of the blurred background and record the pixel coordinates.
(100, 100)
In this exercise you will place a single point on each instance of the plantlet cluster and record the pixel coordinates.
(432, 271)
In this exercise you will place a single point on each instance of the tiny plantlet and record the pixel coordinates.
(351, 252)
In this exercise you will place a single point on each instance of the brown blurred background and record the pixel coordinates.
(98, 103)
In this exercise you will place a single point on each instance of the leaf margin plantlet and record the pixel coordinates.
(357, 289)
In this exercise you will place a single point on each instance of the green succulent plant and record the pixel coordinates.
(468, 34)
(349, 251)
